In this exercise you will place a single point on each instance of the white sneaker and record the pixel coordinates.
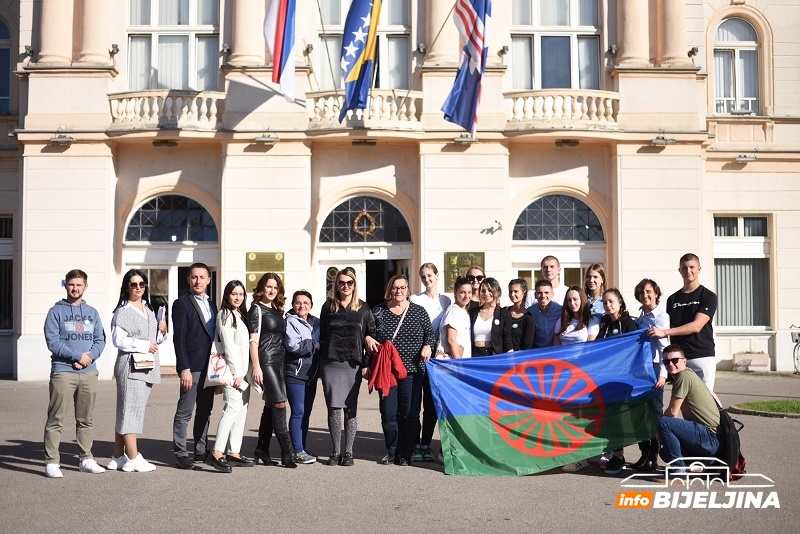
(53, 471)
(138, 464)
(117, 462)
(574, 467)
(90, 466)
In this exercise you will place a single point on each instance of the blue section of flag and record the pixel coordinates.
(358, 53)
(620, 369)
(472, 17)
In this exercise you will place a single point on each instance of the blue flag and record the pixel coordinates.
(533, 410)
(473, 18)
(358, 53)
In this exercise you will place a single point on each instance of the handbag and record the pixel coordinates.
(141, 361)
(218, 373)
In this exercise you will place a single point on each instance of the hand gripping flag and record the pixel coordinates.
(533, 410)
(358, 53)
(279, 33)
(472, 18)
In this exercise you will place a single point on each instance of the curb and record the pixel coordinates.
(743, 411)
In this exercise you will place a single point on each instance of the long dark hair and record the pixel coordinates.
(123, 291)
(226, 304)
(258, 292)
(584, 313)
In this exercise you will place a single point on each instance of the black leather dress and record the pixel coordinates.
(270, 325)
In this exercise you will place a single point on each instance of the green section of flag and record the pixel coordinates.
(472, 445)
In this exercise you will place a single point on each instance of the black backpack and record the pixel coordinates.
(730, 450)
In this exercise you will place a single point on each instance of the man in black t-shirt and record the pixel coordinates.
(690, 311)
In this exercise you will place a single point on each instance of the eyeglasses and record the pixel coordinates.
(348, 283)
(475, 278)
(396, 289)
(673, 361)
(137, 285)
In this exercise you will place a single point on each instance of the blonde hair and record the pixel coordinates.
(355, 303)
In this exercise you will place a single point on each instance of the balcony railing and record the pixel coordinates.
(574, 108)
(386, 108)
(166, 109)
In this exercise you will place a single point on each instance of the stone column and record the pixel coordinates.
(672, 20)
(447, 47)
(633, 34)
(94, 33)
(248, 44)
(56, 32)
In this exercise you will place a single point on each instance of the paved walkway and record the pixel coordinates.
(366, 497)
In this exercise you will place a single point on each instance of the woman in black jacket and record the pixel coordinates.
(490, 323)
(616, 321)
(346, 329)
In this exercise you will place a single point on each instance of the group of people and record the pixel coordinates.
(282, 354)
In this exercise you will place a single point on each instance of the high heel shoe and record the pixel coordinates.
(263, 457)
(282, 433)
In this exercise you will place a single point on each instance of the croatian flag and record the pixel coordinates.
(279, 33)
(472, 18)
(358, 53)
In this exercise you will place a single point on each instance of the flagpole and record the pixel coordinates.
(428, 51)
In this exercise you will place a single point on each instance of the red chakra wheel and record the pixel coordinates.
(546, 407)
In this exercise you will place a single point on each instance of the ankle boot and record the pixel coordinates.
(261, 454)
(644, 447)
(652, 458)
(282, 435)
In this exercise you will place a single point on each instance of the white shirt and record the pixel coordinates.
(658, 318)
(434, 307)
(571, 336)
(458, 319)
(559, 294)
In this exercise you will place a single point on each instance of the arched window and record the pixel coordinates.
(736, 67)
(171, 218)
(5, 68)
(558, 218)
(365, 220)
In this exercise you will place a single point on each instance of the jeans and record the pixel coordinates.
(80, 390)
(301, 401)
(400, 415)
(680, 438)
(204, 399)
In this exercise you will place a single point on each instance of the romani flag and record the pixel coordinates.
(279, 33)
(530, 411)
(473, 19)
(358, 53)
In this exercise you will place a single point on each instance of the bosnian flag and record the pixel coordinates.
(359, 43)
(472, 18)
(279, 33)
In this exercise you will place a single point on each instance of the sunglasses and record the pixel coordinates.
(137, 285)
(475, 278)
(673, 361)
(348, 283)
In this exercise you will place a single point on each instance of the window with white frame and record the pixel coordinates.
(741, 270)
(393, 47)
(5, 68)
(6, 273)
(555, 44)
(736, 76)
(173, 44)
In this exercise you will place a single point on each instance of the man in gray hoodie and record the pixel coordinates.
(75, 338)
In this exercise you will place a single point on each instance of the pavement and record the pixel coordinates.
(367, 497)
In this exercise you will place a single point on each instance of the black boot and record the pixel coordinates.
(644, 447)
(264, 435)
(652, 458)
(282, 435)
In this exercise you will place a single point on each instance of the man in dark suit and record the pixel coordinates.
(194, 322)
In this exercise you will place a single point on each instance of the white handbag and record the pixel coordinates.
(218, 373)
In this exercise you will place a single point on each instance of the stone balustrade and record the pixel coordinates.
(575, 108)
(386, 108)
(166, 109)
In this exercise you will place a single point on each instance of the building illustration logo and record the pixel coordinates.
(701, 482)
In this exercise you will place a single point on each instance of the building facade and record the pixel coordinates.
(148, 134)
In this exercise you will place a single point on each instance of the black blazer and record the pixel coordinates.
(191, 336)
(501, 329)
